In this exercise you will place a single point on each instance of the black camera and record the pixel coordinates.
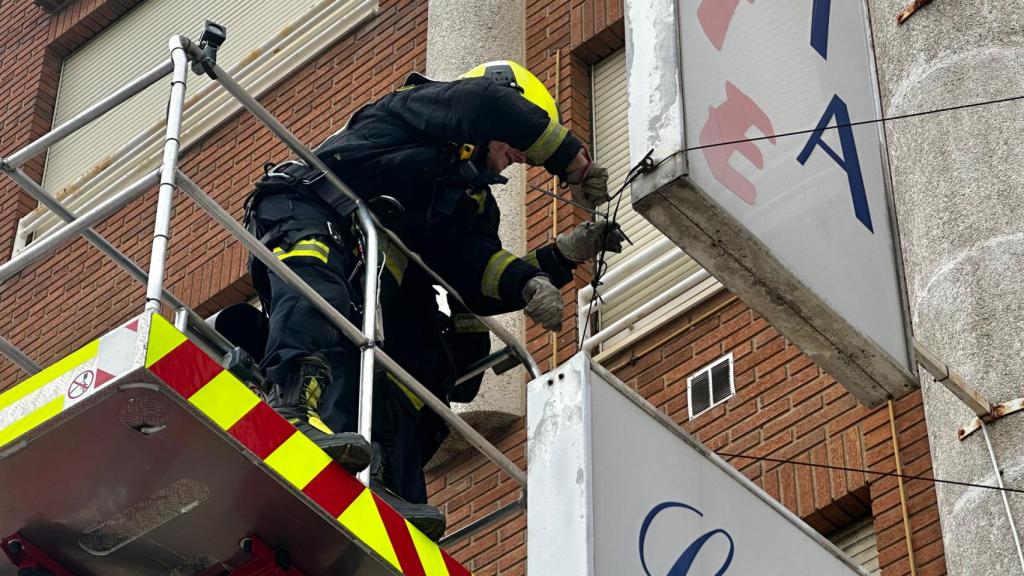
(209, 42)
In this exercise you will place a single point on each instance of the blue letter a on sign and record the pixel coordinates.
(848, 161)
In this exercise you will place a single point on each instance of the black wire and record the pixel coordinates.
(600, 266)
(859, 123)
(561, 198)
(869, 471)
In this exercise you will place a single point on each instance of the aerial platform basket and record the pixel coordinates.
(139, 454)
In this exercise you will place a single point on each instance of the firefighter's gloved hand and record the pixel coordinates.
(543, 302)
(585, 241)
(593, 188)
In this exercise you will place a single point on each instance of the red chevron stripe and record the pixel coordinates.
(261, 430)
(334, 489)
(186, 369)
(398, 532)
(454, 568)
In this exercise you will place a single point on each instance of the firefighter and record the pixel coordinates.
(426, 155)
(436, 348)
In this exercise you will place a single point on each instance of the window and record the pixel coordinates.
(650, 248)
(859, 543)
(710, 386)
(267, 40)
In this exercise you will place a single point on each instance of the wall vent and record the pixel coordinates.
(710, 386)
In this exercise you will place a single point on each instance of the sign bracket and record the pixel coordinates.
(985, 411)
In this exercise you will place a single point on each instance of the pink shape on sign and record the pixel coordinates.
(723, 134)
(715, 17)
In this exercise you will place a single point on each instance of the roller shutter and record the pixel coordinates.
(611, 149)
(858, 541)
(130, 46)
(267, 40)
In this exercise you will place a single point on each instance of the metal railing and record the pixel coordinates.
(170, 179)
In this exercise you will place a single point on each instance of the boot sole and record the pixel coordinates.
(353, 456)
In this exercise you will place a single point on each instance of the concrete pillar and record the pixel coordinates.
(959, 190)
(460, 35)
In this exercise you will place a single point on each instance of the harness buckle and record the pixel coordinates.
(333, 233)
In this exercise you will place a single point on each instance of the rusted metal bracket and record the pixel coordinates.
(910, 9)
(998, 412)
(984, 411)
(952, 381)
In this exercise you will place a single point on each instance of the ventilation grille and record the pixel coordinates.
(710, 386)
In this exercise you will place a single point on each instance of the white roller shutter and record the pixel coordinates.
(611, 149)
(132, 45)
(858, 541)
(266, 41)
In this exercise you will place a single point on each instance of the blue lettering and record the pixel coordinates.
(819, 26)
(682, 565)
(848, 161)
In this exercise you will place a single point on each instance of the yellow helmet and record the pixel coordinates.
(514, 75)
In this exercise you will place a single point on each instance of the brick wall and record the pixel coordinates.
(785, 407)
(58, 305)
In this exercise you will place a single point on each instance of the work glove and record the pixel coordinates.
(593, 187)
(543, 302)
(585, 241)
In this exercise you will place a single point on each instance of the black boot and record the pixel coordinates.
(426, 518)
(299, 403)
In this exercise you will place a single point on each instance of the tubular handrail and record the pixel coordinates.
(170, 178)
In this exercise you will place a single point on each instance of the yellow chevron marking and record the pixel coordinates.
(363, 519)
(224, 399)
(163, 337)
(49, 374)
(33, 419)
(429, 553)
(298, 460)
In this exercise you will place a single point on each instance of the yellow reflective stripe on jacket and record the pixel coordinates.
(308, 247)
(492, 273)
(531, 259)
(468, 323)
(481, 200)
(395, 261)
(548, 142)
(416, 402)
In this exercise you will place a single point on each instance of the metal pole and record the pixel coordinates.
(311, 159)
(18, 357)
(196, 324)
(181, 319)
(165, 200)
(42, 248)
(477, 525)
(1002, 492)
(902, 487)
(338, 320)
(481, 366)
(370, 299)
(88, 115)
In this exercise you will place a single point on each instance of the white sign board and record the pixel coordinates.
(616, 488)
(749, 106)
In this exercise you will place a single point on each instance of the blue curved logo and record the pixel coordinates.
(682, 565)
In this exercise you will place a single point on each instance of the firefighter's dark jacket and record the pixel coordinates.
(406, 145)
